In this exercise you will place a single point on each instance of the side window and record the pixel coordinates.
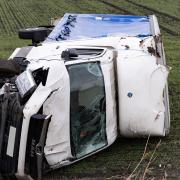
(87, 108)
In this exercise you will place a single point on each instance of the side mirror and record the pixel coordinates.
(36, 34)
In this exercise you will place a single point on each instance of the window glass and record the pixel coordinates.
(87, 108)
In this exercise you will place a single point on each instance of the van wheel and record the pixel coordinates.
(8, 69)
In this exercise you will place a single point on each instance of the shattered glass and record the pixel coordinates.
(87, 108)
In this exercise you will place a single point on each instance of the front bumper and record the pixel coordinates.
(11, 117)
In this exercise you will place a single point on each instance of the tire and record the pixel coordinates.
(36, 34)
(8, 69)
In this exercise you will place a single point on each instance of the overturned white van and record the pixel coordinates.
(79, 89)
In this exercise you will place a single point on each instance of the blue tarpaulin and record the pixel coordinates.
(78, 26)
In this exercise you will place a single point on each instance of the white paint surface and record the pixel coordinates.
(143, 113)
(11, 141)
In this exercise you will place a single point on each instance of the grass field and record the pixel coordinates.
(123, 156)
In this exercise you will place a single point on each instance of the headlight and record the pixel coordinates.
(25, 83)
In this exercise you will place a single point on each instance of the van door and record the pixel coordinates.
(87, 108)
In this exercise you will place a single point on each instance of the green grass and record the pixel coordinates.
(167, 6)
(9, 43)
(124, 154)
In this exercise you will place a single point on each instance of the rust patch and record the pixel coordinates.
(127, 47)
(152, 51)
(158, 39)
(141, 42)
(158, 55)
(158, 115)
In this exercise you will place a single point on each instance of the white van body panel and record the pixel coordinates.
(57, 149)
(36, 101)
(55, 98)
(140, 88)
